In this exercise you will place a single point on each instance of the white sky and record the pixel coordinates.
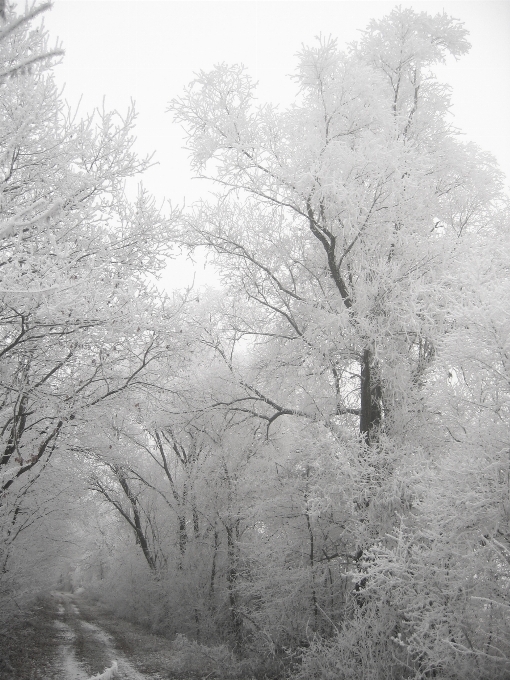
(148, 50)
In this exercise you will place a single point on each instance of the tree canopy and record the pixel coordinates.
(310, 462)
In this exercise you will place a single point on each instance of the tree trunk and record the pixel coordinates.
(136, 522)
(183, 535)
(196, 520)
(371, 394)
(231, 581)
(312, 558)
(213, 567)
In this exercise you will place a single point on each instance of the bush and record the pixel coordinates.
(191, 657)
(361, 650)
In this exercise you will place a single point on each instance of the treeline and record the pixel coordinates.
(310, 463)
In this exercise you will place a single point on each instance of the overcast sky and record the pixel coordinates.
(148, 50)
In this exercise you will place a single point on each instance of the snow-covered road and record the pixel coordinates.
(86, 647)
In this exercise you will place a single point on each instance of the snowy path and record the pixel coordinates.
(86, 647)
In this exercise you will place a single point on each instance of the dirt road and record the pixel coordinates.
(72, 637)
(86, 648)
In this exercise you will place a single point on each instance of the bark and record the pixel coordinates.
(213, 566)
(183, 535)
(17, 430)
(136, 523)
(232, 583)
(312, 559)
(196, 520)
(371, 398)
(183, 532)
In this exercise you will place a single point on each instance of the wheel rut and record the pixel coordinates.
(86, 650)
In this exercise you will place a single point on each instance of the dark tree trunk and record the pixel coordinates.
(371, 397)
(183, 535)
(232, 584)
(136, 522)
(312, 559)
(196, 520)
(213, 567)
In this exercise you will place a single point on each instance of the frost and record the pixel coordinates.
(108, 674)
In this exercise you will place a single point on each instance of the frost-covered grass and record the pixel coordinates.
(29, 643)
(109, 673)
(190, 658)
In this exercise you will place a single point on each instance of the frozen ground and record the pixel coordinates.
(70, 637)
(86, 650)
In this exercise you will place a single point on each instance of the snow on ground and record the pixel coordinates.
(84, 645)
(103, 637)
(71, 667)
(69, 663)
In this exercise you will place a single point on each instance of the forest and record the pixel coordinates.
(304, 471)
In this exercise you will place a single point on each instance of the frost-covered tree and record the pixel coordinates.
(315, 456)
(79, 323)
(360, 241)
(74, 252)
(341, 216)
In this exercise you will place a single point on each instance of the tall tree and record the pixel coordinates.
(79, 322)
(340, 215)
(74, 252)
(354, 233)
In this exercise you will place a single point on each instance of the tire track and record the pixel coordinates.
(87, 650)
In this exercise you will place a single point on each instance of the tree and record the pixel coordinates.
(355, 234)
(340, 214)
(315, 457)
(80, 324)
(171, 467)
(74, 252)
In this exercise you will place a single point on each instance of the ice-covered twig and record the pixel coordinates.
(10, 227)
(10, 472)
(29, 61)
(13, 25)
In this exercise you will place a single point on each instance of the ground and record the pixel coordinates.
(69, 638)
